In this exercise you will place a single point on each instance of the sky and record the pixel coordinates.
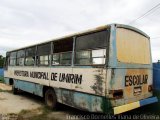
(27, 22)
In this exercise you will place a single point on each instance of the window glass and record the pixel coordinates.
(91, 57)
(83, 61)
(99, 53)
(43, 53)
(62, 52)
(30, 51)
(63, 45)
(65, 58)
(20, 53)
(83, 57)
(30, 56)
(13, 58)
(29, 61)
(83, 54)
(13, 54)
(98, 56)
(20, 57)
(98, 60)
(44, 60)
(90, 49)
(13, 61)
(93, 40)
(44, 49)
(56, 59)
(20, 61)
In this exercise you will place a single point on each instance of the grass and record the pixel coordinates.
(38, 114)
(2, 79)
(43, 113)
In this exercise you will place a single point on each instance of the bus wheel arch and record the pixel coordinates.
(50, 97)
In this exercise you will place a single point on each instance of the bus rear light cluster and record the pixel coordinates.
(117, 94)
(150, 88)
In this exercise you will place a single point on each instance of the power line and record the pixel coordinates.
(147, 13)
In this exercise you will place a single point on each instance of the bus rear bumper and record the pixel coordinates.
(131, 106)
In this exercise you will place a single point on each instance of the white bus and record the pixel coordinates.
(106, 69)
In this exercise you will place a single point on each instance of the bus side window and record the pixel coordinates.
(20, 57)
(62, 52)
(56, 59)
(12, 59)
(98, 56)
(43, 53)
(30, 56)
(87, 57)
(90, 49)
(83, 57)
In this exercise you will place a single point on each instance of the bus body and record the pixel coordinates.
(100, 70)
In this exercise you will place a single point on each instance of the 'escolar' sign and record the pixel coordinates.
(61, 77)
(135, 80)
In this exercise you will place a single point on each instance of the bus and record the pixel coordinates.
(107, 69)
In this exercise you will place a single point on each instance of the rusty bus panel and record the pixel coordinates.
(136, 47)
(129, 85)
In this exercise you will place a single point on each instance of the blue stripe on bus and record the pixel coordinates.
(30, 87)
(148, 101)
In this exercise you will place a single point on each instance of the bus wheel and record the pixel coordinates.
(50, 99)
(14, 90)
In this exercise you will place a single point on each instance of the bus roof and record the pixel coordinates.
(86, 32)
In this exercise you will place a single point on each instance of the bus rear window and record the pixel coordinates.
(132, 47)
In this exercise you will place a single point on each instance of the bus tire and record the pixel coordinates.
(14, 90)
(51, 99)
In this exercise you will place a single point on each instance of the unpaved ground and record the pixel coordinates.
(5, 87)
(26, 106)
(30, 107)
(10, 103)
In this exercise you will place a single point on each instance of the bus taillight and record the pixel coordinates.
(150, 88)
(117, 93)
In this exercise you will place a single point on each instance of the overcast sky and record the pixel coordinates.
(26, 22)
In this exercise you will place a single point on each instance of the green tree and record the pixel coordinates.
(2, 59)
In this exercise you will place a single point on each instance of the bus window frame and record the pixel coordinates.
(91, 61)
(106, 47)
(19, 57)
(30, 55)
(59, 53)
(12, 58)
(38, 55)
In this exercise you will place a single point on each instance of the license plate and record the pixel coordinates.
(137, 90)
